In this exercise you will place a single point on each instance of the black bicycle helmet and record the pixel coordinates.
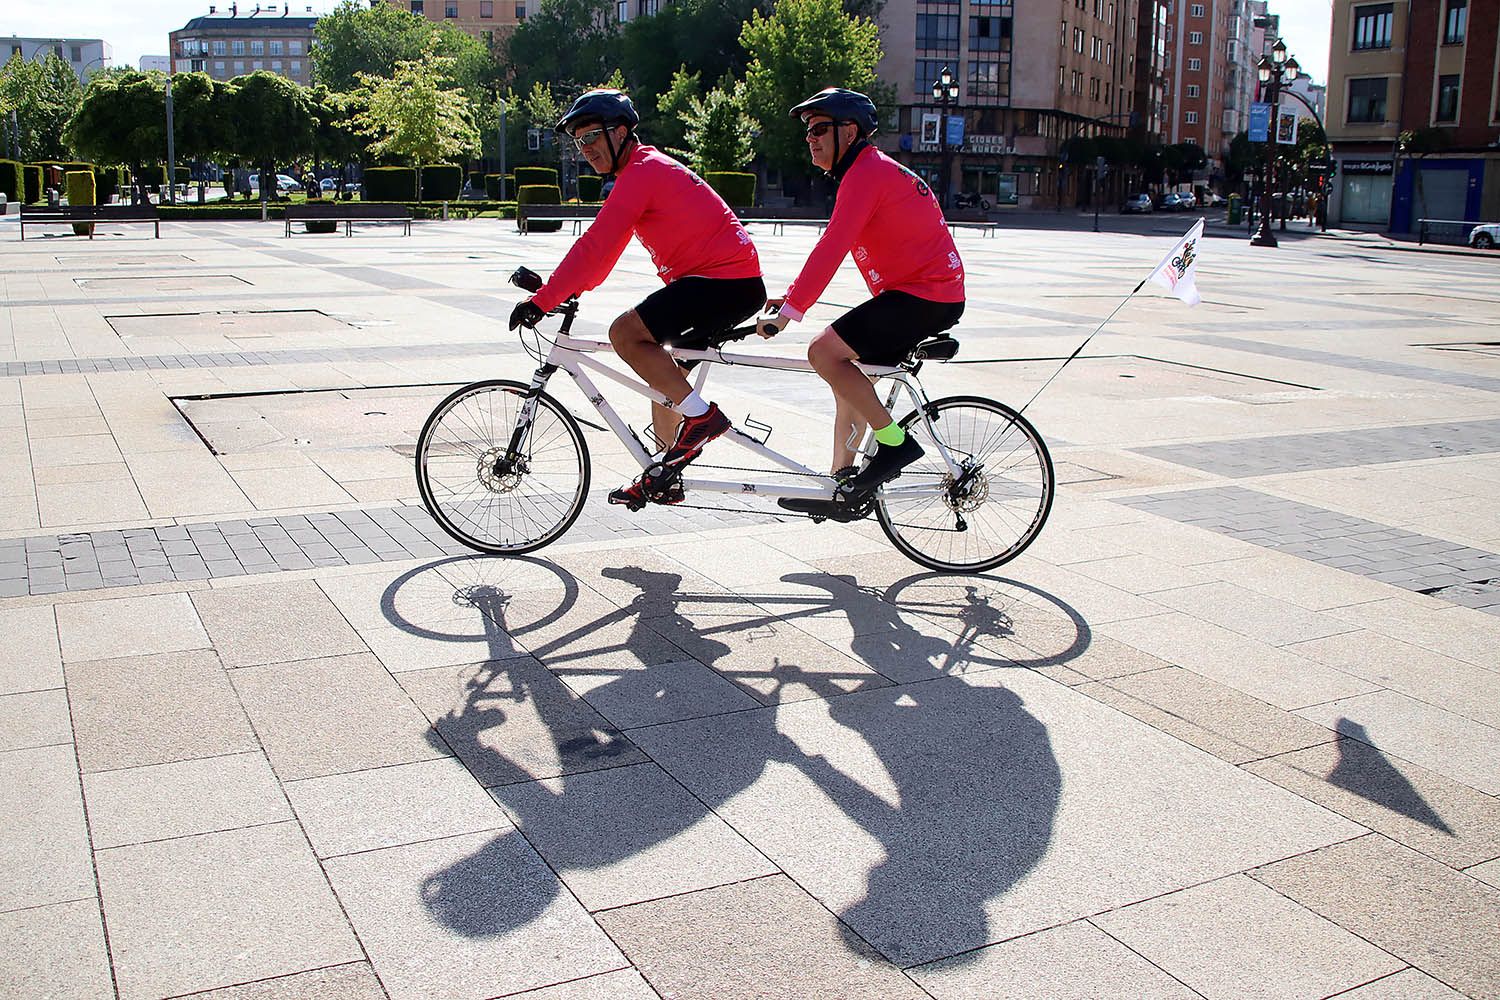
(610, 107)
(842, 106)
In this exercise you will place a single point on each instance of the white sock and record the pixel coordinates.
(692, 405)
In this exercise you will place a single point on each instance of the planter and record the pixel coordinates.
(321, 225)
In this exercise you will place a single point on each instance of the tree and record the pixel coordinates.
(356, 38)
(122, 119)
(412, 114)
(540, 110)
(802, 47)
(564, 44)
(44, 95)
(719, 132)
(274, 123)
(703, 36)
(202, 121)
(669, 128)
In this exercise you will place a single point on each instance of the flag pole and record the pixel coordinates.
(1085, 343)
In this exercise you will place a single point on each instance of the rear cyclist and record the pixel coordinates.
(702, 254)
(888, 218)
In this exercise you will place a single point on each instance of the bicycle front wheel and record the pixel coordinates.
(990, 511)
(493, 484)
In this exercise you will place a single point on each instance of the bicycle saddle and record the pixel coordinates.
(939, 348)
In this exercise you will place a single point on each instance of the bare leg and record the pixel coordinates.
(848, 427)
(634, 343)
(664, 422)
(854, 396)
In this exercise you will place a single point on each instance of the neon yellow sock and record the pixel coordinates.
(890, 435)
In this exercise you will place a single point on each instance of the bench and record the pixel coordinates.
(67, 215)
(779, 218)
(987, 228)
(1463, 227)
(576, 214)
(349, 213)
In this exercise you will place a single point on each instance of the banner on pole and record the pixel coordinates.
(1177, 272)
(1286, 128)
(1260, 121)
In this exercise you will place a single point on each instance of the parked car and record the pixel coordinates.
(1214, 200)
(1485, 237)
(1137, 203)
(284, 183)
(328, 184)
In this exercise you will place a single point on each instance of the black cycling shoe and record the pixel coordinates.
(886, 464)
(635, 497)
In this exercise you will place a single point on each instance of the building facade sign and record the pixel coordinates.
(1366, 167)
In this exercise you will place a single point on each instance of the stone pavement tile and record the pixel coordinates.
(1094, 601)
(939, 817)
(89, 503)
(1488, 873)
(1430, 737)
(1455, 685)
(44, 847)
(140, 710)
(764, 938)
(1207, 714)
(1408, 984)
(355, 981)
(305, 486)
(468, 917)
(1431, 624)
(403, 649)
(1141, 574)
(626, 984)
(1064, 546)
(1235, 938)
(333, 715)
(1076, 961)
(218, 909)
(1409, 804)
(1103, 658)
(1183, 544)
(54, 951)
(274, 623)
(139, 804)
(635, 694)
(388, 806)
(648, 584)
(627, 835)
(738, 563)
(128, 626)
(511, 720)
(1418, 909)
(29, 658)
(1269, 673)
(1264, 619)
(823, 541)
(1298, 581)
(34, 719)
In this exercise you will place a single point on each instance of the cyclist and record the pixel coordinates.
(888, 218)
(702, 254)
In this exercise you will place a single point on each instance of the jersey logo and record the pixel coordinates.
(922, 188)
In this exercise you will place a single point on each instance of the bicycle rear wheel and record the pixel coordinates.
(493, 485)
(990, 512)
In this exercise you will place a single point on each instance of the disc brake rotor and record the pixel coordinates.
(494, 480)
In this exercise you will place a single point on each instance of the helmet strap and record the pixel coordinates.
(615, 154)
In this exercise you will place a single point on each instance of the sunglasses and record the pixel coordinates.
(587, 138)
(818, 130)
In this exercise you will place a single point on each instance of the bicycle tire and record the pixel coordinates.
(1005, 511)
(501, 514)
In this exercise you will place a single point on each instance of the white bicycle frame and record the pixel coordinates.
(573, 355)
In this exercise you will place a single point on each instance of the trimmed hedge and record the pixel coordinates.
(476, 180)
(495, 186)
(106, 183)
(81, 191)
(535, 175)
(239, 210)
(738, 189)
(33, 183)
(539, 194)
(390, 184)
(442, 182)
(589, 186)
(12, 180)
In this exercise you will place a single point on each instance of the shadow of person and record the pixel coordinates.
(1368, 773)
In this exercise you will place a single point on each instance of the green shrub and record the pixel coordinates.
(239, 210)
(81, 191)
(390, 184)
(535, 175)
(539, 194)
(588, 187)
(738, 189)
(495, 186)
(106, 183)
(12, 180)
(442, 182)
(33, 183)
(321, 225)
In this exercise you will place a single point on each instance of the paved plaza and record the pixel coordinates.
(1229, 729)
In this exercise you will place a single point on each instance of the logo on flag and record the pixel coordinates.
(1177, 270)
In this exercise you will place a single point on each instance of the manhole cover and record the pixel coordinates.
(163, 283)
(135, 260)
(226, 323)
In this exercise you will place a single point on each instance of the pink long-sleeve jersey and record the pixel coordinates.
(681, 221)
(888, 218)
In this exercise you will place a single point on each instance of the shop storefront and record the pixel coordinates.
(1364, 192)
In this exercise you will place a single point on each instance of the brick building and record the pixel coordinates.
(487, 20)
(238, 41)
(1203, 102)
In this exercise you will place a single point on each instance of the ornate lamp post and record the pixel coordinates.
(945, 93)
(1275, 71)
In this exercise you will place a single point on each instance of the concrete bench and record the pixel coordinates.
(67, 215)
(987, 228)
(349, 213)
(576, 214)
(778, 223)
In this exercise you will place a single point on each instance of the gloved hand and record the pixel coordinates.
(526, 313)
(770, 322)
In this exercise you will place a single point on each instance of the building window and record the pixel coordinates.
(645, 8)
(1079, 38)
(985, 80)
(1190, 117)
(1195, 38)
(989, 34)
(1192, 90)
(486, 8)
(275, 46)
(257, 48)
(276, 65)
(196, 66)
(927, 73)
(257, 65)
(520, 12)
(1456, 24)
(1078, 83)
(418, 7)
(219, 47)
(1367, 100)
(239, 67)
(1093, 88)
(1196, 10)
(296, 67)
(1194, 65)
(450, 9)
(937, 32)
(237, 47)
(294, 47)
(1447, 99)
(1372, 26)
(218, 69)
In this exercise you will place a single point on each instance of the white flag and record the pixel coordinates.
(1177, 270)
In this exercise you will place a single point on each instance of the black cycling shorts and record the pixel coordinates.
(693, 312)
(883, 330)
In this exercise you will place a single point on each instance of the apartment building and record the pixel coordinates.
(1204, 102)
(1367, 56)
(487, 20)
(239, 40)
(85, 55)
(1151, 82)
(1031, 76)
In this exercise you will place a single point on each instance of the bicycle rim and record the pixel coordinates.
(478, 501)
(1005, 504)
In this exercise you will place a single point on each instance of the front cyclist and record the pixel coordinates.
(702, 254)
(888, 218)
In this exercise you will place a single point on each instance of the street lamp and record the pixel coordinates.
(1275, 71)
(945, 93)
